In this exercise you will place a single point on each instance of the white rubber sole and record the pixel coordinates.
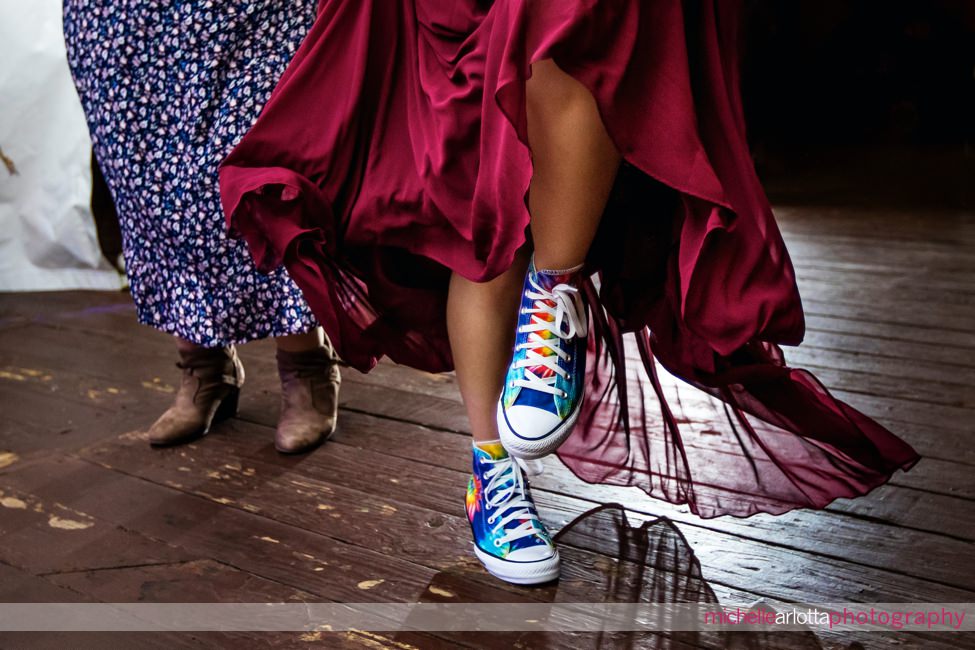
(520, 573)
(531, 449)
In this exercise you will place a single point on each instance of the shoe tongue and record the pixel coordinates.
(493, 450)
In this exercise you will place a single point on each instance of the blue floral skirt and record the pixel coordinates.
(168, 88)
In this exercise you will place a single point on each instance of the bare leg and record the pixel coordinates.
(575, 163)
(481, 323)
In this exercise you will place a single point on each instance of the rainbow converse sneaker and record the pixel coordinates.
(543, 387)
(509, 539)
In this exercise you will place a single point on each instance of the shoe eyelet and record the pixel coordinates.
(564, 394)
(497, 543)
(568, 358)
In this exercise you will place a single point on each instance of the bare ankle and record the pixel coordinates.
(558, 264)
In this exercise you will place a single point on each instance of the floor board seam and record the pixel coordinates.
(593, 503)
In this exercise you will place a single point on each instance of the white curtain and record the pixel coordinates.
(47, 234)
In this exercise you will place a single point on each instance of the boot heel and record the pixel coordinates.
(228, 406)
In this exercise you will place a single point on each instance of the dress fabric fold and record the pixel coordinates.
(394, 151)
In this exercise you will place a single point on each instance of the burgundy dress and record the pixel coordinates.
(394, 150)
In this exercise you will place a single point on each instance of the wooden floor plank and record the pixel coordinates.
(204, 581)
(946, 254)
(866, 383)
(435, 411)
(254, 543)
(890, 335)
(149, 372)
(929, 351)
(348, 465)
(883, 278)
(18, 586)
(878, 313)
(308, 501)
(47, 537)
(88, 512)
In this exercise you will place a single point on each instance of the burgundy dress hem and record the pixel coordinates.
(394, 152)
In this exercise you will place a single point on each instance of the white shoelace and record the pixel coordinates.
(509, 502)
(568, 321)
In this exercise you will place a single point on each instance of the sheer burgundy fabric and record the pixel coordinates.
(394, 150)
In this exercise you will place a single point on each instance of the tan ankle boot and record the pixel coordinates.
(208, 392)
(309, 399)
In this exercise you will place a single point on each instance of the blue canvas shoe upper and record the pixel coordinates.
(543, 385)
(503, 517)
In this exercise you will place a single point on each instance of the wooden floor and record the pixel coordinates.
(90, 513)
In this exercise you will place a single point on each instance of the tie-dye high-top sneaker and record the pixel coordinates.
(509, 539)
(543, 388)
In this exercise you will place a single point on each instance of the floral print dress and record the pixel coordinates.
(168, 88)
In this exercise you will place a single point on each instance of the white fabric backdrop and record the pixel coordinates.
(47, 234)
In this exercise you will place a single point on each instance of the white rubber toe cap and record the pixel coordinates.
(532, 553)
(529, 433)
(529, 422)
(528, 566)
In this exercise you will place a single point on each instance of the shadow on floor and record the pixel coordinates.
(605, 559)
